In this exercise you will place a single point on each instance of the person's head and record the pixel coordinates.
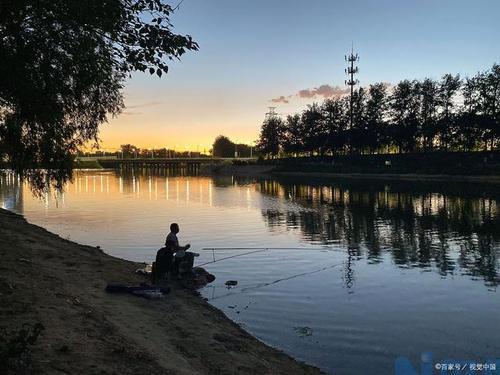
(174, 228)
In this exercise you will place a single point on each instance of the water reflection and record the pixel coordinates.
(440, 231)
(451, 229)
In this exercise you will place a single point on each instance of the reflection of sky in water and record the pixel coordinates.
(385, 270)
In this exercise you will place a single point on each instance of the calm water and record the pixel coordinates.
(371, 271)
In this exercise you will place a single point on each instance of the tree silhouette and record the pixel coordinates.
(359, 136)
(335, 117)
(223, 147)
(376, 108)
(313, 129)
(64, 63)
(129, 150)
(482, 105)
(271, 136)
(428, 116)
(292, 137)
(411, 116)
(404, 115)
(448, 89)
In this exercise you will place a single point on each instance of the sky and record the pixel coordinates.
(260, 53)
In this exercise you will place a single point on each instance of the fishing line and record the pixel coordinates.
(229, 257)
(262, 285)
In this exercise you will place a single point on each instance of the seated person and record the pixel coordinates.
(183, 261)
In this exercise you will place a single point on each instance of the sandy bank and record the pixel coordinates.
(44, 278)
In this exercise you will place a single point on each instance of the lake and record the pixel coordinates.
(344, 275)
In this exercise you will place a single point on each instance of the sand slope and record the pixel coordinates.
(88, 331)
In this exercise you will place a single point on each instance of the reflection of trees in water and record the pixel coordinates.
(11, 194)
(449, 233)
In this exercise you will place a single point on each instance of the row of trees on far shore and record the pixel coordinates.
(412, 116)
(223, 147)
(132, 151)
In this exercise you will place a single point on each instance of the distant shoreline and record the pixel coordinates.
(390, 176)
(61, 284)
(271, 171)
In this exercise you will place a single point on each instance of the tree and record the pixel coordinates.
(335, 122)
(129, 151)
(223, 147)
(428, 115)
(63, 66)
(448, 88)
(292, 137)
(243, 150)
(376, 108)
(482, 105)
(270, 136)
(492, 105)
(417, 116)
(359, 134)
(404, 112)
(315, 135)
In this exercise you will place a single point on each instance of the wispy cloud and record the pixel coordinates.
(325, 91)
(282, 99)
(131, 113)
(143, 105)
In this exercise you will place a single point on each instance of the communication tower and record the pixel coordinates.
(351, 70)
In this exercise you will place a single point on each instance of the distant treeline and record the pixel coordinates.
(451, 114)
(223, 147)
(132, 151)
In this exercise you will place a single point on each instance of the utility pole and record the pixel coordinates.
(351, 70)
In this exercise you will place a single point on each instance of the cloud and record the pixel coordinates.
(131, 113)
(130, 110)
(281, 99)
(142, 105)
(325, 91)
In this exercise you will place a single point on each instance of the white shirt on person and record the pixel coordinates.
(173, 243)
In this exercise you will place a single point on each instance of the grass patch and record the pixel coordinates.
(15, 349)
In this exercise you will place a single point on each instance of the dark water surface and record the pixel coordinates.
(366, 271)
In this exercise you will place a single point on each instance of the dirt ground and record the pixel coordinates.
(44, 278)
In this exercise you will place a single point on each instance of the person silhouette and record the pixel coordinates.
(172, 242)
(183, 261)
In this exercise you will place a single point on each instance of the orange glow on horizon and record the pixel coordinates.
(184, 122)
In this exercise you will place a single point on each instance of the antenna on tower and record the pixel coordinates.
(272, 112)
(351, 70)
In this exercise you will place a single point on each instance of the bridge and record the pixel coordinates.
(189, 164)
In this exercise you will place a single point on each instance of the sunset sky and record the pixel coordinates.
(252, 52)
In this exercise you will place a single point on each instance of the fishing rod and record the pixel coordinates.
(269, 248)
(229, 257)
(255, 250)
